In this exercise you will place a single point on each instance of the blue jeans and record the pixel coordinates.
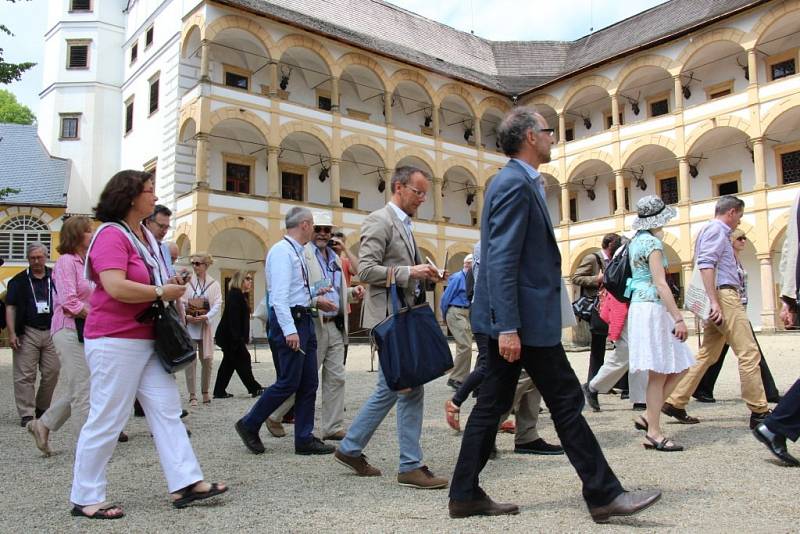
(409, 423)
(297, 374)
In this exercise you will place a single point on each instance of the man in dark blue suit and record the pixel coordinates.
(517, 302)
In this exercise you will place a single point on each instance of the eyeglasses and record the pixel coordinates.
(198, 263)
(248, 278)
(163, 227)
(549, 131)
(321, 229)
(420, 194)
(151, 191)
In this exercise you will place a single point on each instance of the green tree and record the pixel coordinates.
(13, 111)
(11, 72)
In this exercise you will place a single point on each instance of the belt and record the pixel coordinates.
(461, 307)
(728, 286)
(41, 328)
(328, 319)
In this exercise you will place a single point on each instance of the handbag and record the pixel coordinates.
(695, 298)
(173, 344)
(582, 308)
(412, 349)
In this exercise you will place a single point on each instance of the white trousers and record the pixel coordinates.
(121, 370)
(615, 366)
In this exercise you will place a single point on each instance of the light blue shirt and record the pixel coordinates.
(287, 279)
(456, 292)
(331, 272)
(537, 178)
(167, 258)
(714, 250)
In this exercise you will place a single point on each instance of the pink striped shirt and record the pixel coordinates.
(72, 291)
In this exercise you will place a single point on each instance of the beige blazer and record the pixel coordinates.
(315, 275)
(384, 243)
(789, 255)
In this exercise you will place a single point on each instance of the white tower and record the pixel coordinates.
(80, 114)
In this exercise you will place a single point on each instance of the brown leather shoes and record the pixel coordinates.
(679, 414)
(359, 464)
(421, 478)
(484, 506)
(336, 436)
(275, 428)
(626, 503)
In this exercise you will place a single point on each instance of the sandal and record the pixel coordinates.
(186, 496)
(665, 445)
(193, 402)
(453, 414)
(640, 423)
(101, 513)
(207, 399)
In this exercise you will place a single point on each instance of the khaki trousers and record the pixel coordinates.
(35, 352)
(458, 322)
(526, 410)
(736, 332)
(207, 361)
(73, 383)
(330, 358)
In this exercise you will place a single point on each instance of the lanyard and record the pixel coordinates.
(202, 289)
(49, 288)
(302, 267)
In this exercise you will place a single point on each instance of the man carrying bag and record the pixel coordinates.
(388, 243)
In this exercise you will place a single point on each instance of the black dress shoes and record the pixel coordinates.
(776, 444)
(249, 438)
(591, 397)
(455, 384)
(626, 503)
(758, 418)
(704, 397)
(484, 506)
(23, 422)
(538, 446)
(225, 395)
(315, 446)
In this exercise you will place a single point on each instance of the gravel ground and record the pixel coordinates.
(725, 481)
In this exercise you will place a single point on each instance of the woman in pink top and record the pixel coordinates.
(70, 307)
(123, 261)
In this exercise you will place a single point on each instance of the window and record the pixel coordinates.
(239, 172)
(134, 52)
(658, 104)
(128, 116)
(788, 163)
(237, 78)
(324, 101)
(718, 90)
(612, 195)
(292, 182)
(349, 199)
(569, 132)
(20, 231)
(573, 207)
(782, 65)
(151, 167)
(667, 185)
(148, 37)
(154, 95)
(726, 184)
(608, 119)
(78, 54)
(80, 5)
(69, 126)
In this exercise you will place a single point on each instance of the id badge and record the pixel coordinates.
(320, 285)
(42, 307)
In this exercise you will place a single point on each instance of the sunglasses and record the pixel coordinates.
(321, 229)
(196, 263)
(248, 278)
(741, 238)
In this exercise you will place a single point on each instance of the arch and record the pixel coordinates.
(428, 246)
(457, 90)
(658, 140)
(467, 165)
(458, 248)
(242, 115)
(493, 102)
(238, 22)
(779, 109)
(417, 153)
(354, 140)
(712, 124)
(649, 60)
(354, 58)
(304, 127)
(234, 223)
(197, 22)
(777, 230)
(605, 157)
(408, 75)
(590, 244)
(544, 99)
(674, 242)
(722, 34)
(589, 81)
(301, 41)
(53, 223)
(772, 16)
(552, 170)
(185, 123)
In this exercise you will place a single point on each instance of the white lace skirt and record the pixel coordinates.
(653, 347)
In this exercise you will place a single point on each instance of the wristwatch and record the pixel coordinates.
(159, 292)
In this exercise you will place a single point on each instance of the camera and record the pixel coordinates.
(331, 243)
